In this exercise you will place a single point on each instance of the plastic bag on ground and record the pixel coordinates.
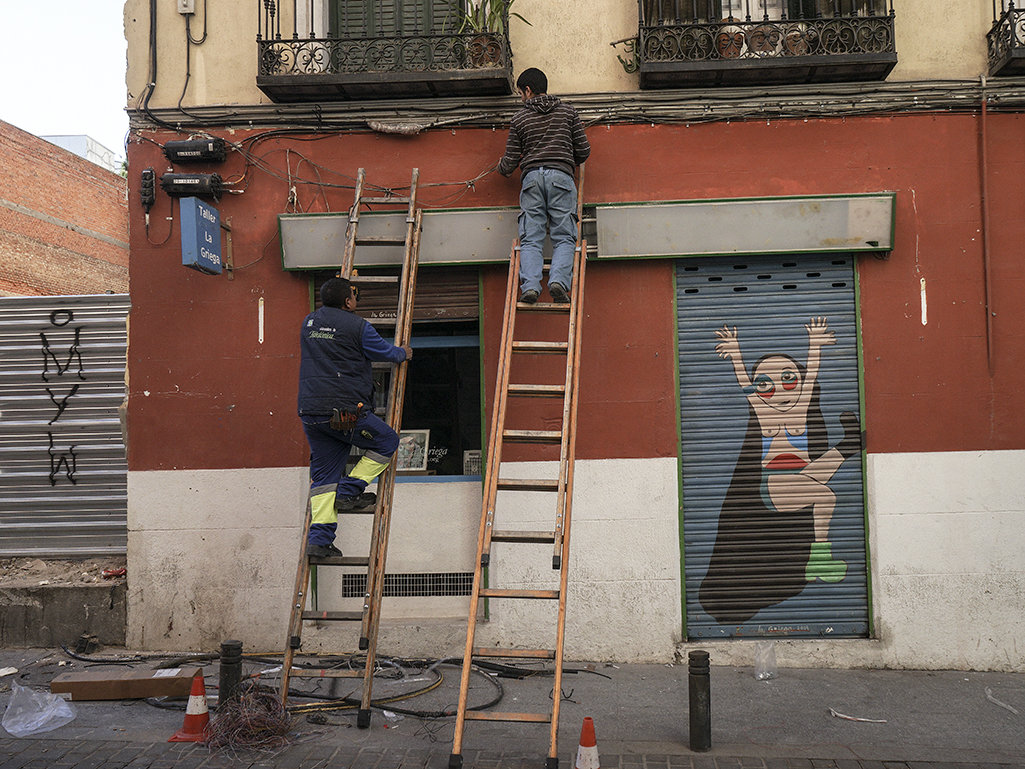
(765, 660)
(31, 712)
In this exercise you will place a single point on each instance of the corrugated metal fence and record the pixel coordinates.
(63, 473)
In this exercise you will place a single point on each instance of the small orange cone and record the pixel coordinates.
(197, 715)
(587, 753)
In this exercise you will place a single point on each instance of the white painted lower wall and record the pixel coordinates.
(212, 555)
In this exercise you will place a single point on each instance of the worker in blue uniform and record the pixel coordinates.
(336, 397)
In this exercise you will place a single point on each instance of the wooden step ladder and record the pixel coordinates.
(514, 346)
(370, 615)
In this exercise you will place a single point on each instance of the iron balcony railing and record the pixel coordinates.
(1006, 40)
(310, 38)
(721, 30)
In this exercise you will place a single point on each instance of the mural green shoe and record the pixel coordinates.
(821, 564)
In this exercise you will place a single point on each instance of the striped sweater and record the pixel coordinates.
(546, 132)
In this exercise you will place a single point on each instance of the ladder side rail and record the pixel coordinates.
(566, 455)
(490, 491)
(403, 318)
(396, 401)
(577, 295)
(349, 251)
(301, 588)
(496, 441)
(573, 386)
(382, 517)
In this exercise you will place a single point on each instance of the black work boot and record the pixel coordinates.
(322, 551)
(359, 503)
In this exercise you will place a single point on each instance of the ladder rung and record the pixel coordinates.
(333, 616)
(537, 390)
(325, 673)
(541, 537)
(532, 436)
(523, 484)
(382, 240)
(485, 715)
(541, 347)
(534, 654)
(388, 199)
(360, 279)
(340, 560)
(496, 592)
(543, 306)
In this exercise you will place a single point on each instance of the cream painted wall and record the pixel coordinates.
(570, 46)
(941, 41)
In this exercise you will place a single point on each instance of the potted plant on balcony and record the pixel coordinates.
(485, 22)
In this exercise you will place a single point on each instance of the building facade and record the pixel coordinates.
(782, 197)
(63, 221)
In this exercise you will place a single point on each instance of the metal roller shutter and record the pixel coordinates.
(750, 509)
(441, 295)
(63, 474)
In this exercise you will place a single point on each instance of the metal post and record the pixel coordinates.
(700, 702)
(231, 671)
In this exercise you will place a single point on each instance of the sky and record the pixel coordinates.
(66, 69)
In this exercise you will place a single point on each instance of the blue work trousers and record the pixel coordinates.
(329, 455)
(548, 198)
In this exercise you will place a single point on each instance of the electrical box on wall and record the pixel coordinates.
(186, 6)
(196, 150)
(185, 185)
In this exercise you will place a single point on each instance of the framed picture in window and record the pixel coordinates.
(412, 452)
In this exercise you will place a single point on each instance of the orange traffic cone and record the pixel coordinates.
(197, 715)
(587, 753)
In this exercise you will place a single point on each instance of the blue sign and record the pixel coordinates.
(201, 236)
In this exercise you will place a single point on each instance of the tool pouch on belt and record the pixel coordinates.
(341, 419)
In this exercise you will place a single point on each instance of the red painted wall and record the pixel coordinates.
(206, 394)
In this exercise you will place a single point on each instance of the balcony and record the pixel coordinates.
(1006, 40)
(332, 50)
(706, 43)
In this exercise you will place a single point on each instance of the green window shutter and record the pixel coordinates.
(392, 18)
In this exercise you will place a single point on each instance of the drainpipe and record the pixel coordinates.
(983, 237)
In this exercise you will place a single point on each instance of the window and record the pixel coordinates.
(698, 11)
(392, 18)
(443, 395)
(443, 381)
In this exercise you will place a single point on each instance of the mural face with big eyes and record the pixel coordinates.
(778, 382)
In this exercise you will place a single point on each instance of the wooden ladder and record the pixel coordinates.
(370, 615)
(561, 488)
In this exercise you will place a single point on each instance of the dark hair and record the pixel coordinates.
(335, 292)
(534, 79)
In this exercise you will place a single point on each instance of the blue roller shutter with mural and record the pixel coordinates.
(773, 503)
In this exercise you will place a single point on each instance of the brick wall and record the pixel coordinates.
(63, 221)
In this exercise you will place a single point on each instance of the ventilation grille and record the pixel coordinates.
(412, 585)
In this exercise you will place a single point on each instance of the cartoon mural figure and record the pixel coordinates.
(773, 533)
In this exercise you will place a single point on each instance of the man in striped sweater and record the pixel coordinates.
(547, 142)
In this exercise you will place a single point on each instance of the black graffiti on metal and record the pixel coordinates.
(63, 458)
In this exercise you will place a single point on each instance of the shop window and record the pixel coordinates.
(442, 410)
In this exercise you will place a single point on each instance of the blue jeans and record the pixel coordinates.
(548, 197)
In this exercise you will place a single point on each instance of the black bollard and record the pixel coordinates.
(700, 702)
(231, 671)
